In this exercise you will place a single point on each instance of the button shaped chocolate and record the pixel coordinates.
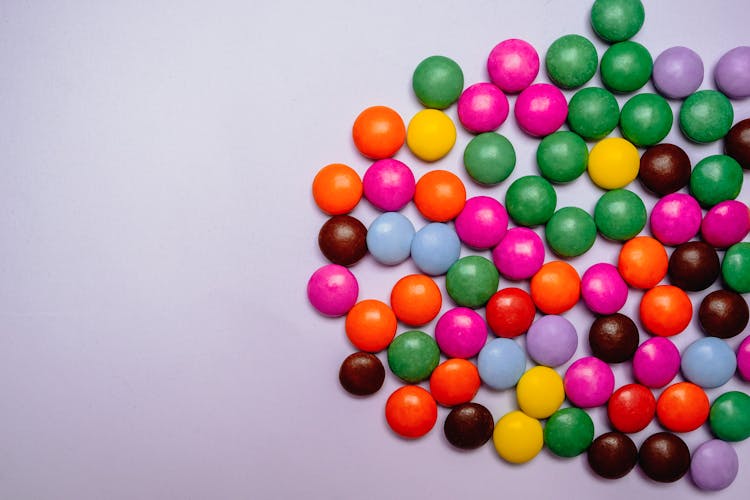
(613, 338)
(665, 168)
(343, 240)
(362, 374)
(694, 266)
(723, 314)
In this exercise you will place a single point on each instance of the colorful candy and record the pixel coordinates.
(370, 325)
(589, 382)
(603, 289)
(613, 338)
(469, 426)
(631, 408)
(519, 255)
(620, 214)
(389, 185)
(431, 135)
(678, 72)
(682, 407)
(706, 116)
(461, 333)
(664, 457)
(551, 340)
(726, 223)
(694, 266)
(571, 61)
(413, 355)
(737, 143)
(569, 432)
(675, 219)
(530, 200)
(343, 240)
(714, 465)
(482, 107)
(665, 310)
(708, 362)
(735, 268)
(593, 113)
(540, 392)
(361, 374)
(743, 359)
(656, 362)
(613, 163)
(646, 119)
(411, 411)
(617, 20)
(482, 223)
(437, 82)
(501, 363)
(489, 158)
(643, 262)
(715, 179)
(454, 382)
(665, 168)
(510, 312)
(732, 73)
(378, 132)
(332, 290)
(440, 195)
(517, 437)
(435, 248)
(626, 66)
(471, 281)
(416, 299)
(570, 232)
(556, 287)
(337, 189)
(723, 314)
(562, 156)
(612, 455)
(389, 238)
(540, 109)
(512, 65)
(729, 417)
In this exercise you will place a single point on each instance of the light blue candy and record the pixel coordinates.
(709, 362)
(501, 363)
(435, 248)
(389, 238)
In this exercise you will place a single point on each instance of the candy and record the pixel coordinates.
(614, 338)
(337, 189)
(461, 333)
(411, 412)
(665, 168)
(723, 314)
(370, 325)
(694, 266)
(737, 143)
(682, 407)
(361, 374)
(540, 109)
(562, 156)
(732, 73)
(729, 417)
(603, 289)
(570, 232)
(332, 290)
(482, 107)
(631, 408)
(530, 200)
(715, 179)
(612, 455)
(743, 359)
(593, 113)
(431, 135)
(726, 223)
(571, 61)
(646, 119)
(551, 340)
(613, 163)
(643, 262)
(675, 219)
(454, 382)
(389, 185)
(440, 195)
(437, 82)
(416, 299)
(620, 214)
(482, 223)
(617, 20)
(665, 310)
(706, 116)
(489, 158)
(569, 432)
(626, 66)
(435, 248)
(664, 457)
(517, 437)
(656, 362)
(378, 132)
(512, 65)
(413, 355)
(471, 281)
(556, 287)
(519, 255)
(714, 465)
(343, 240)
(589, 382)
(510, 312)
(540, 392)
(389, 238)
(708, 362)
(678, 72)
(735, 268)
(501, 363)
(469, 426)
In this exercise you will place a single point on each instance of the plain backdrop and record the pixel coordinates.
(157, 232)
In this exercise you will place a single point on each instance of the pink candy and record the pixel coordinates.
(675, 219)
(513, 64)
(743, 359)
(482, 223)
(482, 108)
(520, 254)
(389, 185)
(461, 333)
(603, 289)
(332, 290)
(541, 109)
(726, 223)
(589, 382)
(656, 362)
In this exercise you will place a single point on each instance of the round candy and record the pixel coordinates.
(440, 195)
(517, 437)
(603, 289)
(337, 189)
(471, 281)
(343, 240)
(454, 382)
(732, 73)
(723, 314)
(678, 72)
(737, 143)
(715, 179)
(482, 107)
(612, 455)
(552, 340)
(501, 363)
(332, 290)
(435, 248)
(694, 266)
(461, 333)
(510, 312)
(482, 223)
(620, 214)
(411, 412)
(370, 325)
(570, 232)
(656, 362)
(416, 299)
(437, 82)
(540, 109)
(593, 113)
(378, 132)
(708, 362)
(631, 408)
(413, 355)
(569, 432)
(675, 219)
(512, 65)
(613, 163)
(735, 268)
(682, 407)
(556, 287)
(389, 185)
(540, 392)
(469, 426)
(726, 223)
(665, 168)
(743, 358)
(714, 465)
(389, 238)
(665, 310)
(562, 156)
(626, 66)
(617, 20)
(643, 262)
(646, 119)
(614, 338)
(520, 254)
(571, 61)
(730, 416)
(589, 382)
(489, 158)
(706, 116)
(530, 200)
(361, 374)
(431, 135)
(664, 457)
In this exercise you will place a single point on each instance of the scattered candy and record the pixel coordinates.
(337, 189)
(411, 411)
(589, 382)
(743, 359)
(626, 66)
(631, 408)
(682, 407)
(569, 432)
(551, 340)
(517, 437)
(519, 255)
(643, 262)
(389, 185)
(510, 312)
(656, 362)
(735, 268)
(614, 338)
(489, 158)
(706, 116)
(664, 457)
(416, 299)
(370, 325)
(501, 363)
(571, 61)
(570, 232)
(620, 214)
(378, 132)
(593, 113)
(454, 382)
(715, 179)
(482, 223)
(389, 238)
(675, 219)
(437, 82)
(540, 392)
(343, 240)
(512, 65)
(435, 248)
(665, 168)
(613, 163)
(482, 107)
(726, 223)
(361, 374)
(540, 109)
(708, 362)
(332, 290)
(665, 310)
(440, 195)
(469, 426)
(556, 287)
(646, 119)
(431, 135)
(612, 455)
(471, 281)
(732, 73)
(413, 355)
(530, 200)
(678, 72)
(729, 417)
(737, 143)
(714, 465)
(694, 266)
(603, 289)
(617, 20)
(562, 156)
(723, 314)
(461, 333)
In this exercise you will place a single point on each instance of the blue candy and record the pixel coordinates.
(435, 248)
(709, 362)
(389, 238)
(501, 363)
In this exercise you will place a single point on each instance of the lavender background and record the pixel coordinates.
(157, 232)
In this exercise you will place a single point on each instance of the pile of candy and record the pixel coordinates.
(518, 253)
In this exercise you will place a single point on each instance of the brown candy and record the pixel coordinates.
(737, 143)
(664, 457)
(614, 338)
(723, 314)
(343, 240)
(694, 266)
(665, 168)
(362, 374)
(469, 426)
(612, 455)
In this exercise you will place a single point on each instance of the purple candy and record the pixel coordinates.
(656, 362)
(589, 382)
(678, 72)
(603, 289)
(675, 219)
(732, 73)
(520, 254)
(551, 340)
(461, 333)
(743, 359)
(482, 223)
(714, 465)
(726, 223)
(333, 290)
(482, 108)
(389, 185)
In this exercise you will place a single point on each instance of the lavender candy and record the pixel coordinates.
(678, 72)
(714, 465)
(732, 73)
(551, 340)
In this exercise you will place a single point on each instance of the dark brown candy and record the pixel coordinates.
(694, 266)
(343, 240)
(362, 374)
(737, 143)
(612, 455)
(665, 168)
(613, 338)
(723, 314)
(469, 426)
(664, 457)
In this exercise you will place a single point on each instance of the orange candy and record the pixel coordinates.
(454, 382)
(682, 407)
(411, 411)
(371, 325)
(440, 195)
(643, 262)
(556, 287)
(337, 189)
(666, 310)
(416, 299)
(378, 132)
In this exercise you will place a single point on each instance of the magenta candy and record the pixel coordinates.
(675, 219)
(332, 290)
(743, 359)
(603, 289)
(482, 108)
(389, 185)
(520, 254)
(726, 223)
(482, 223)
(589, 382)
(656, 362)
(461, 333)
(513, 64)
(551, 340)
(541, 109)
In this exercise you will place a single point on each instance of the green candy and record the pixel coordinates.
(413, 355)
(562, 156)
(571, 61)
(570, 232)
(646, 119)
(569, 432)
(715, 179)
(593, 113)
(620, 214)
(471, 281)
(438, 82)
(617, 20)
(530, 200)
(489, 158)
(626, 66)
(735, 268)
(706, 116)
(730, 416)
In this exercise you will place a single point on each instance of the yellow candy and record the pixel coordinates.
(540, 392)
(431, 135)
(613, 163)
(518, 438)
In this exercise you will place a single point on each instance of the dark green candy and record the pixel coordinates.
(569, 432)
(530, 200)
(571, 61)
(562, 156)
(570, 232)
(438, 82)
(646, 119)
(730, 416)
(593, 113)
(626, 66)
(735, 268)
(620, 214)
(471, 281)
(413, 355)
(706, 116)
(489, 158)
(617, 20)
(715, 179)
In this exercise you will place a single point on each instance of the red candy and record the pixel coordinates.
(510, 312)
(631, 408)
